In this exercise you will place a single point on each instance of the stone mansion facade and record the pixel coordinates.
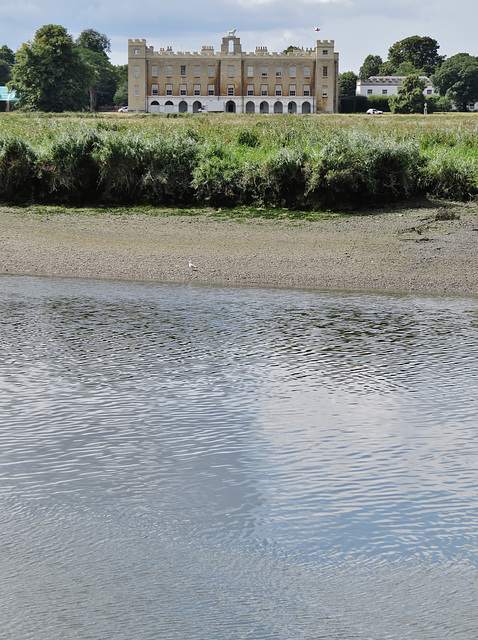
(230, 80)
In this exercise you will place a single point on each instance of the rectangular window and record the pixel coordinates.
(369, 92)
(306, 90)
(250, 71)
(325, 52)
(136, 90)
(293, 72)
(197, 71)
(384, 92)
(183, 69)
(169, 70)
(210, 89)
(278, 89)
(325, 72)
(325, 91)
(154, 89)
(136, 51)
(230, 71)
(230, 89)
(210, 71)
(264, 72)
(278, 72)
(292, 89)
(429, 92)
(154, 71)
(264, 91)
(136, 71)
(250, 89)
(197, 89)
(307, 71)
(182, 89)
(169, 89)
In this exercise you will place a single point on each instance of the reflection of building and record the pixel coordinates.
(302, 81)
(387, 86)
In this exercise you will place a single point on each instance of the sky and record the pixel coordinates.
(358, 27)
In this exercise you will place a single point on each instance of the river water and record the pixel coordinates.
(193, 462)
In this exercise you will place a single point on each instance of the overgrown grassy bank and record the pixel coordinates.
(310, 163)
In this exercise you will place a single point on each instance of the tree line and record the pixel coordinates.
(454, 79)
(54, 72)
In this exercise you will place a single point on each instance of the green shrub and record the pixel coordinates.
(355, 167)
(449, 176)
(17, 170)
(68, 171)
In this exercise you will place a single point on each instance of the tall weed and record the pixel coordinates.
(17, 170)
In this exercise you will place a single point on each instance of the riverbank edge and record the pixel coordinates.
(421, 249)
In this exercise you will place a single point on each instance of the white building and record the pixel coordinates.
(387, 86)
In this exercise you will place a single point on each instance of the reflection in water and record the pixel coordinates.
(201, 462)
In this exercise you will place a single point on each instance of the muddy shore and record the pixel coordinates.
(428, 249)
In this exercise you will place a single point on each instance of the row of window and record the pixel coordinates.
(231, 71)
(231, 90)
(385, 92)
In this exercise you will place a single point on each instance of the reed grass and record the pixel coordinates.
(308, 163)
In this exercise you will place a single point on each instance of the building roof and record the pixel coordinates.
(6, 95)
(390, 80)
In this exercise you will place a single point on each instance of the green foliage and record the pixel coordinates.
(420, 52)
(4, 72)
(49, 73)
(450, 176)
(410, 98)
(457, 79)
(370, 67)
(356, 167)
(347, 83)
(437, 103)
(94, 41)
(17, 170)
(248, 138)
(7, 54)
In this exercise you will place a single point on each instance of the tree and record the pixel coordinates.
(457, 79)
(421, 52)
(410, 98)
(93, 47)
(7, 54)
(121, 95)
(49, 73)
(347, 84)
(4, 72)
(94, 41)
(370, 67)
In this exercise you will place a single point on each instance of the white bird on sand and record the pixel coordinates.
(192, 266)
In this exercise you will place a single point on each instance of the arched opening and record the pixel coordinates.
(306, 107)
(230, 106)
(264, 107)
(250, 107)
(197, 106)
(292, 107)
(154, 107)
(278, 108)
(169, 106)
(231, 46)
(183, 106)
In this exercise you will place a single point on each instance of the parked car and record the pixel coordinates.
(122, 109)
(374, 112)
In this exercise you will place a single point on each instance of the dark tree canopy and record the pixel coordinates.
(7, 54)
(49, 73)
(420, 51)
(457, 79)
(94, 41)
(4, 72)
(347, 83)
(371, 67)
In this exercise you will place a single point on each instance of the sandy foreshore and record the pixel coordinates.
(393, 250)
